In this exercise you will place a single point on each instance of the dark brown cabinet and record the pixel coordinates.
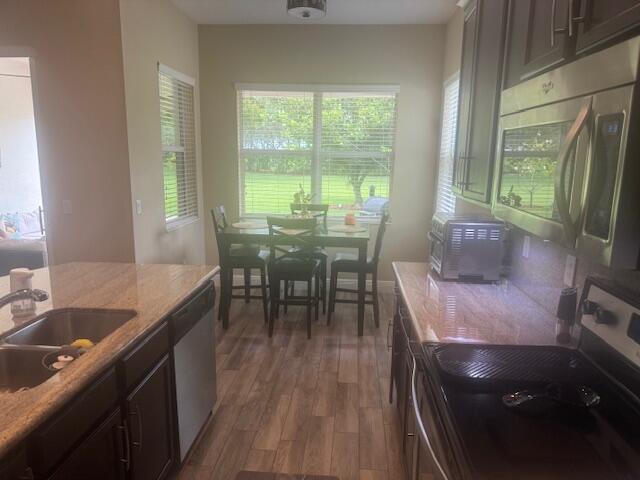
(544, 34)
(401, 370)
(150, 419)
(602, 21)
(480, 80)
(123, 426)
(101, 456)
(538, 40)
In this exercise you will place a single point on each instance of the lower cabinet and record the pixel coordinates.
(401, 368)
(123, 426)
(150, 422)
(101, 456)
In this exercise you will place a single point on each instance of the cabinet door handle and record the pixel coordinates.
(555, 30)
(138, 416)
(127, 446)
(571, 21)
(389, 342)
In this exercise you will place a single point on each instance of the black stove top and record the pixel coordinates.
(541, 439)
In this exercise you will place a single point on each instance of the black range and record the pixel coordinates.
(504, 412)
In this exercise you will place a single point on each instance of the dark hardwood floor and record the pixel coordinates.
(292, 405)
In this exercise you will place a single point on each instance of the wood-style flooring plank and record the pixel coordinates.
(207, 451)
(347, 415)
(344, 459)
(254, 406)
(373, 451)
(195, 472)
(300, 410)
(394, 450)
(325, 398)
(234, 454)
(289, 457)
(317, 452)
(348, 368)
(368, 386)
(330, 354)
(374, 475)
(260, 460)
(272, 423)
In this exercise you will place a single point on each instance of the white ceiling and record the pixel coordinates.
(348, 12)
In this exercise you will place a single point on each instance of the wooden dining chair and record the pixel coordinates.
(345, 262)
(300, 266)
(320, 211)
(243, 257)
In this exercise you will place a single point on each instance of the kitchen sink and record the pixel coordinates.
(22, 367)
(61, 327)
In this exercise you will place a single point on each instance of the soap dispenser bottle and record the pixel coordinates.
(20, 279)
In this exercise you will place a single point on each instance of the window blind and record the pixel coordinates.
(177, 126)
(339, 146)
(445, 199)
(275, 146)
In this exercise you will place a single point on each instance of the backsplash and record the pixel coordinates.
(541, 275)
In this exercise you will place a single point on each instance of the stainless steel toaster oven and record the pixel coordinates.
(467, 248)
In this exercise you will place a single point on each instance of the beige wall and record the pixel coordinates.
(453, 44)
(80, 121)
(156, 31)
(410, 56)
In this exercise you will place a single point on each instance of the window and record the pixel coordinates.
(445, 199)
(177, 123)
(337, 143)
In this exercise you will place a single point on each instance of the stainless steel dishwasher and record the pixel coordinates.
(195, 366)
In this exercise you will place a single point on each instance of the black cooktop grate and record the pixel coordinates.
(512, 363)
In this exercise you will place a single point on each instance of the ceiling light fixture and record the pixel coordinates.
(307, 9)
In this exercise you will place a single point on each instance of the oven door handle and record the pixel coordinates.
(560, 191)
(421, 429)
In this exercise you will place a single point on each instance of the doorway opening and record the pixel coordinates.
(22, 225)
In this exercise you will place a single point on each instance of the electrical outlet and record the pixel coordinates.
(570, 270)
(526, 246)
(139, 207)
(67, 209)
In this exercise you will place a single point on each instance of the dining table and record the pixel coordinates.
(326, 235)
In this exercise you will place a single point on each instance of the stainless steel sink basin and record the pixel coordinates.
(22, 367)
(61, 327)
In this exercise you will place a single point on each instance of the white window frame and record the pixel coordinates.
(315, 153)
(181, 221)
(446, 153)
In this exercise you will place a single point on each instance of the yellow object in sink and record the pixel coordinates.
(82, 343)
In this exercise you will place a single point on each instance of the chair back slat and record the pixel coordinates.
(219, 224)
(381, 230)
(299, 232)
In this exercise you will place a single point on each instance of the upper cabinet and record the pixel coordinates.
(537, 39)
(546, 33)
(480, 79)
(600, 21)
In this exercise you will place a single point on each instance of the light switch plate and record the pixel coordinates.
(570, 270)
(67, 209)
(526, 246)
(139, 207)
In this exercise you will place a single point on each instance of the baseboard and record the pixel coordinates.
(384, 286)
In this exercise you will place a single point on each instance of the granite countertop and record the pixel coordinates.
(449, 312)
(151, 290)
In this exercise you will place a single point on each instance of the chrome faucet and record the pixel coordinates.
(25, 294)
